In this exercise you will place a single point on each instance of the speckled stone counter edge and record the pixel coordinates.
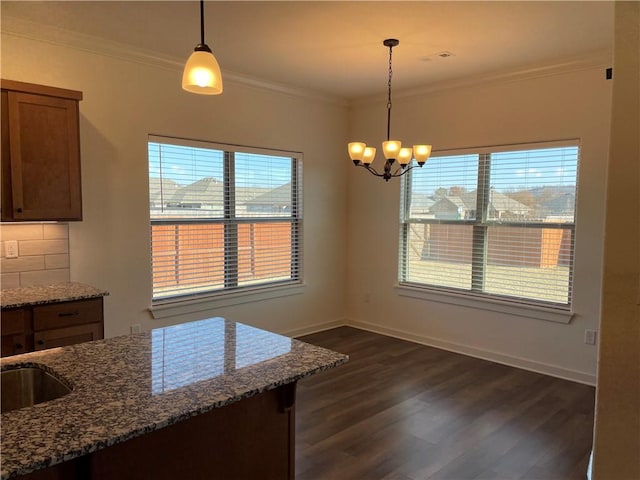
(43, 294)
(95, 446)
(90, 423)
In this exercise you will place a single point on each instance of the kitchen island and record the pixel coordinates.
(207, 399)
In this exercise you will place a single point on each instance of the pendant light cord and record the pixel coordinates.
(202, 22)
(389, 97)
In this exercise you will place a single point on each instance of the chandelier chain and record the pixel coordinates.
(390, 75)
(389, 95)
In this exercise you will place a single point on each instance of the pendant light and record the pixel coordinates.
(363, 156)
(202, 72)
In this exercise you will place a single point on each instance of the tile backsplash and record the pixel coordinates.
(43, 254)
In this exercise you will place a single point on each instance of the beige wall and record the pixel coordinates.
(617, 432)
(349, 252)
(43, 254)
(126, 100)
(570, 105)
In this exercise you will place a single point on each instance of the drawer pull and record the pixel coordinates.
(68, 314)
(40, 342)
(19, 210)
(19, 346)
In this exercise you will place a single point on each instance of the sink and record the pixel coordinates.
(27, 386)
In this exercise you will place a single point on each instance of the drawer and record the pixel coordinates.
(62, 337)
(66, 314)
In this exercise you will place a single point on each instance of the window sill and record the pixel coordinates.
(174, 307)
(537, 312)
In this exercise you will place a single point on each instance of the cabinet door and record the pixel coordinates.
(16, 332)
(14, 344)
(62, 337)
(44, 157)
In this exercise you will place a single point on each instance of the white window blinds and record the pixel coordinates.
(496, 222)
(222, 217)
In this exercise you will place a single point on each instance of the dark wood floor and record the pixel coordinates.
(399, 410)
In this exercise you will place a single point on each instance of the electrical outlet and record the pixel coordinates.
(590, 337)
(135, 328)
(11, 249)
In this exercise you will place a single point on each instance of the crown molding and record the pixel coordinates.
(21, 28)
(598, 59)
(39, 32)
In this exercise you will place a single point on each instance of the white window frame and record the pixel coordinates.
(476, 298)
(232, 293)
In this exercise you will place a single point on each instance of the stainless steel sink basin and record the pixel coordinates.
(26, 386)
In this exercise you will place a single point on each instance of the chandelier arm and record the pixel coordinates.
(402, 171)
(372, 170)
(387, 174)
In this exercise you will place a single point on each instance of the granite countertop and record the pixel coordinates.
(41, 294)
(127, 386)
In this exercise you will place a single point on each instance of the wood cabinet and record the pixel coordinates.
(250, 439)
(253, 438)
(40, 153)
(53, 325)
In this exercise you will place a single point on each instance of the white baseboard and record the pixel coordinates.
(492, 356)
(315, 328)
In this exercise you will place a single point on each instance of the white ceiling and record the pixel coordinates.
(336, 48)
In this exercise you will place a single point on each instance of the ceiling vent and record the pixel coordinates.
(438, 56)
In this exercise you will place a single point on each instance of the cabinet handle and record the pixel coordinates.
(40, 342)
(68, 314)
(19, 209)
(19, 346)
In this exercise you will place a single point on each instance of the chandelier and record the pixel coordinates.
(363, 156)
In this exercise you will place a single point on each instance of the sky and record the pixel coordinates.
(509, 171)
(186, 165)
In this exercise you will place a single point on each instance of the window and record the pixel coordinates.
(222, 217)
(493, 222)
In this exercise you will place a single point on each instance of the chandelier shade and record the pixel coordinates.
(363, 155)
(369, 155)
(201, 73)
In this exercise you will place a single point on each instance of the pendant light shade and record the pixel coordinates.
(201, 72)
